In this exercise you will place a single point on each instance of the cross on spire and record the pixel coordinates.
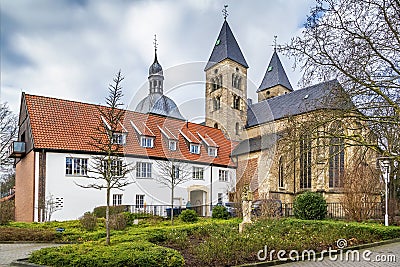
(275, 45)
(225, 12)
(155, 42)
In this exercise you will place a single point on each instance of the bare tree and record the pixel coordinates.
(8, 133)
(109, 170)
(172, 173)
(362, 188)
(357, 43)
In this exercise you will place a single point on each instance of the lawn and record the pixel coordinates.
(154, 242)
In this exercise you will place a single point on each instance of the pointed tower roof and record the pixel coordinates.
(275, 75)
(226, 47)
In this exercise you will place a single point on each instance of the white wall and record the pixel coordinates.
(78, 200)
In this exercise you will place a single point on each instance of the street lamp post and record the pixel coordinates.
(386, 165)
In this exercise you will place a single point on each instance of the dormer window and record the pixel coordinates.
(194, 148)
(118, 138)
(146, 141)
(172, 145)
(212, 151)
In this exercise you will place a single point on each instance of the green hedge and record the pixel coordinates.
(100, 212)
(139, 253)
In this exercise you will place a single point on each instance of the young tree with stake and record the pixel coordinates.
(108, 169)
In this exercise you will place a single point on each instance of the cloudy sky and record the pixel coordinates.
(72, 49)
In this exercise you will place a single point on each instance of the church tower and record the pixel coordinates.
(226, 86)
(275, 81)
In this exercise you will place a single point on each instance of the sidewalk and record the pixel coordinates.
(380, 256)
(12, 251)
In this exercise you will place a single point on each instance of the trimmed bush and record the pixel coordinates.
(88, 221)
(26, 234)
(189, 216)
(100, 212)
(310, 206)
(118, 221)
(220, 212)
(138, 253)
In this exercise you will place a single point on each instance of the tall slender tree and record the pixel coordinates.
(108, 170)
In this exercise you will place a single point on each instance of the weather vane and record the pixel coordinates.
(155, 42)
(275, 45)
(225, 12)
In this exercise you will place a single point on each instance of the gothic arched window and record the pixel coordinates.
(336, 156)
(281, 172)
(305, 161)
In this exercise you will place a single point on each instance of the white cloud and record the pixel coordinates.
(73, 51)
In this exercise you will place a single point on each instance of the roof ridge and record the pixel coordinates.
(296, 91)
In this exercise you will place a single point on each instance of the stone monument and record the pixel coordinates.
(247, 201)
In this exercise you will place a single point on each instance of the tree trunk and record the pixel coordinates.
(108, 218)
(172, 205)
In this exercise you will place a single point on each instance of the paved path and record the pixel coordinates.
(380, 256)
(13, 251)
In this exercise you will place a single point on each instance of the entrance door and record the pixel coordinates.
(197, 200)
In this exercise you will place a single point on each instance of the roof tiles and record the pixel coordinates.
(69, 126)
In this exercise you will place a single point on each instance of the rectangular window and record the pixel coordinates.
(139, 201)
(119, 138)
(143, 170)
(76, 166)
(220, 197)
(175, 172)
(198, 173)
(147, 141)
(172, 145)
(223, 175)
(212, 151)
(68, 166)
(194, 149)
(117, 199)
(116, 167)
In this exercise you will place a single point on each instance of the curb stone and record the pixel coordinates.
(24, 262)
(318, 254)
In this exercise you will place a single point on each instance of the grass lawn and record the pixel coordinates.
(208, 242)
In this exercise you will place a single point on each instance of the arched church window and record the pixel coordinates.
(217, 103)
(236, 102)
(281, 172)
(336, 156)
(216, 125)
(305, 161)
(237, 128)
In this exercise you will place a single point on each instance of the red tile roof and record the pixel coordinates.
(68, 125)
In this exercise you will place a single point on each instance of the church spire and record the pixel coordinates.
(226, 47)
(156, 76)
(275, 75)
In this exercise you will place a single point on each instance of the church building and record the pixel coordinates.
(240, 143)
